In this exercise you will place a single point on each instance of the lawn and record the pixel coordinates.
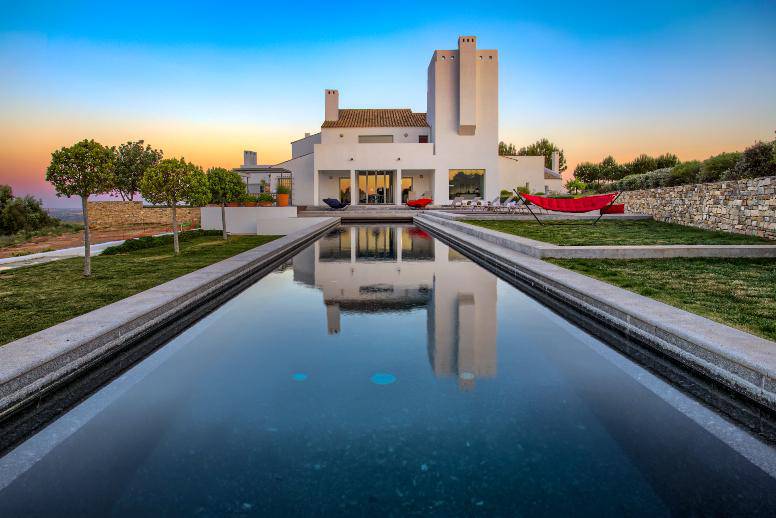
(621, 232)
(737, 292)
(37, 297)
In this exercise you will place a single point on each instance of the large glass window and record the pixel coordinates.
(467, 183)
(406, 188)
(375, 187)
(344, 190)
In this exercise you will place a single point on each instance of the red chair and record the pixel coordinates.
(420, 203)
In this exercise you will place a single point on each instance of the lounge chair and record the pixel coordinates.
(335, 204)
(420, 203)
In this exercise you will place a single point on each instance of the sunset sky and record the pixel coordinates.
(206, 81)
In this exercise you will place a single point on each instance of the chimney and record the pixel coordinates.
(556, 162)
(306, 134)
(249, 158)
(467, 85)
(332, 105)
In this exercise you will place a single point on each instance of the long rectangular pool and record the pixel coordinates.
(380, 371)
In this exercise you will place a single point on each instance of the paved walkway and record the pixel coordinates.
(9, 263)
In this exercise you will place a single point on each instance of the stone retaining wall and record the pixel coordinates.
(743, 206)
(113, 214)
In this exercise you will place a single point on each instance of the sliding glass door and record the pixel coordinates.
(375, 187)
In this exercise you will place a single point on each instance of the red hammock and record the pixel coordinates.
(584, 204)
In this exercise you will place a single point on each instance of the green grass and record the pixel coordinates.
(622, 232)
(737, 292)
(26, 235)
(37, 297)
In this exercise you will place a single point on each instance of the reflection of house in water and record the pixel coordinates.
(399, 268)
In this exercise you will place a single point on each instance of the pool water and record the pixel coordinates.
(381, 372)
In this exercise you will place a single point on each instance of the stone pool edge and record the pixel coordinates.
(33, 364)
(741, 361)
(541, 249)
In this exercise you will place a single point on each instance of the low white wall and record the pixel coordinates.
(284, 226)
(249, 220)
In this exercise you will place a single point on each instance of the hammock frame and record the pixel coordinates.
(527, 205)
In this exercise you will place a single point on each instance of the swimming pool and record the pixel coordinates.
(381, 371)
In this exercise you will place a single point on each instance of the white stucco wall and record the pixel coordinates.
(517, 170)
(249, 220)
(304, 145)
(301, 179)
(331, 136)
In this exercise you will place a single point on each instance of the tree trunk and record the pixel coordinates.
(175, 245)
(223, 218)
(87, 240)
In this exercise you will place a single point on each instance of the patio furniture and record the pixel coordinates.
(572, 205)
(420, 203)
(457, 202)
(617, 208)
(335, 204)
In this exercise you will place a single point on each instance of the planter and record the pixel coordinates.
(249, 204)
(282, 200)
(265, 204)
(233, 204)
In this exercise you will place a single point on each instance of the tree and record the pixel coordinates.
(588, 172)
(132, 161)
(225, 186)
(173, 181)
(575, 185)
(544, 147)
(83, 169)
(505, 149)
(755, 161)
(609, 169)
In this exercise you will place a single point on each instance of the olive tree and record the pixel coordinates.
(225, 186)
(132, 161)
(83, 169)
(173, 181)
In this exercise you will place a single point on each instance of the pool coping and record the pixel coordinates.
(541, 249)
(740, 361)
(33, 364)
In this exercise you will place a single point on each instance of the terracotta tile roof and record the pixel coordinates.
(378, 118)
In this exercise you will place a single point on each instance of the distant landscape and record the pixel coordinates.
(66, 214)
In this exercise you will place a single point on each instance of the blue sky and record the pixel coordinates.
(206, 80)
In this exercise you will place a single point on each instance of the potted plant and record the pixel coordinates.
(283, 192)
(249, 201)
(265, 199)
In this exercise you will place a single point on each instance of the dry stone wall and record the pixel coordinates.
(743, 206)
(116, 214)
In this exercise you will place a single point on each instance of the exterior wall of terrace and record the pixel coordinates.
(743, 206)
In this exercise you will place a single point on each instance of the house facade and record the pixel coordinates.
(389, 155)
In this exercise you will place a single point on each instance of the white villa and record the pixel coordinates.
(395, 154)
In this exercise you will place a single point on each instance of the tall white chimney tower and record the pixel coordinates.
(556, 162)
(332, 105)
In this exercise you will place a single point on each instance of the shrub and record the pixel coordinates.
(141, 243)
(21, 213)
(265, 197)
(686, 172)
(714, 168)
(755, 161)
(282, 189)
(656, 178)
